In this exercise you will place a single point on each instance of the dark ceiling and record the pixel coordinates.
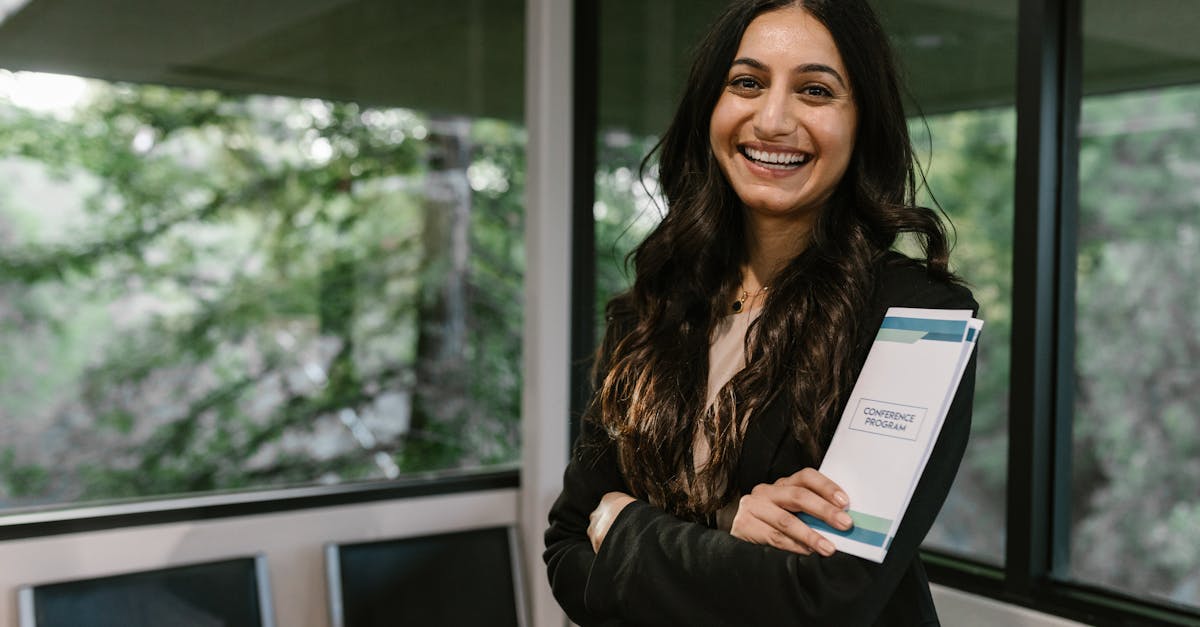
(467, 56)
(454, 56)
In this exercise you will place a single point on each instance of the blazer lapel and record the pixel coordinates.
(768, 438)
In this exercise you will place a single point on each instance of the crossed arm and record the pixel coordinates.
(614, 560)
(651, 568)
(765, 516)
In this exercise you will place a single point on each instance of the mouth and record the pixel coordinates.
(775, 159)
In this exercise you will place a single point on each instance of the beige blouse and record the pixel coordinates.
(726, 357)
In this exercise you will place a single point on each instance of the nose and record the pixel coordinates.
(775, 117)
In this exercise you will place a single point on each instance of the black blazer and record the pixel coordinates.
(654, 569)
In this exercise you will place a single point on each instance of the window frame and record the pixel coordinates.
(27, 523)
(82, 517)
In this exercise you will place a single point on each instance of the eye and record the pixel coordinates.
(816, 91)
(745, 84)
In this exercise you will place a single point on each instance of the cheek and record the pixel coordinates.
(723, 126)
(837, 136)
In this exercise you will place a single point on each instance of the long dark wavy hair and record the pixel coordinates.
(654, 360)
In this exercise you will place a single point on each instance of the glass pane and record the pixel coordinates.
(643, 61)
(1136, 518)
(961, 65)
(300, 263)
(626, 209)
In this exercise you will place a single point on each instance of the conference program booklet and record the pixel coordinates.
(892, 421)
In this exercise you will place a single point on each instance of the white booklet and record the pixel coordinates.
(892, 421)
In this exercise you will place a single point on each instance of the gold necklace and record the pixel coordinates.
(740, 303)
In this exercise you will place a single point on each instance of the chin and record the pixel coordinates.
(770, 207)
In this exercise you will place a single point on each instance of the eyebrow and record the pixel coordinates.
(799, 69)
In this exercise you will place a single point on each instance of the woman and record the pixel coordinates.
(788, 174)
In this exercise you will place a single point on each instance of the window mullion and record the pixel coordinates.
(583, 197)
(1070, 101)
(1037, 197)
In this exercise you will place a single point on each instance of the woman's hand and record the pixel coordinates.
(603, 516)
(768, 514)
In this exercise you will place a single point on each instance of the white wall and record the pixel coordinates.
(293, 542)
(546, 363)
(959, 608)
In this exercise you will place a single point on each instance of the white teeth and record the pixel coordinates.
(777, 158)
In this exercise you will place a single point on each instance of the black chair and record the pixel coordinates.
(449, 580)
(226, 593)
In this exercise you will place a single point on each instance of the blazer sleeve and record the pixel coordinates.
(591, 472)
(655, 569)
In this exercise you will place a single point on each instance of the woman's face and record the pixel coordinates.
(783, 127)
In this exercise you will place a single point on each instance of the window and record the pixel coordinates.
(643, 61)
(1135, 523)
(1101, 471)
(283, 249)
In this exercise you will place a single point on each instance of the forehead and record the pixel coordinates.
(790, 36)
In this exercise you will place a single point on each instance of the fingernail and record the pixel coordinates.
(841, 498)
(826, 547)
(844, 520)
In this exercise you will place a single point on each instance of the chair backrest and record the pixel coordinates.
(448, 579)
(227, 593)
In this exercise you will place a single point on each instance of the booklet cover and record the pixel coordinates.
(892, 421)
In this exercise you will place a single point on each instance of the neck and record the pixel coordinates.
(771, 244)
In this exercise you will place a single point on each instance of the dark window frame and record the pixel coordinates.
(91, 517)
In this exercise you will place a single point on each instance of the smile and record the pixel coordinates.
(775, 160)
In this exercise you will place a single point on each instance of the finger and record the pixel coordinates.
(809, 537)
(755, 530)
(767, 523)
(796, 499)
(809, 502)
(592, 531)
(800, 533)
(812, 479)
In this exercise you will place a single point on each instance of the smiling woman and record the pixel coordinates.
(788, 175)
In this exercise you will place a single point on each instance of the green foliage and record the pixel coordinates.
(21, 480)
(1137, 445)
(628, 205)
(227, 296)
